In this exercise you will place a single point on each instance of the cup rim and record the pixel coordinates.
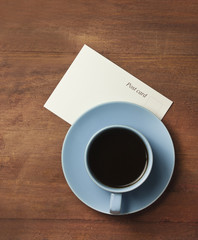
(145, 173)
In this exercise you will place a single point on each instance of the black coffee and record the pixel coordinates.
(117, 157)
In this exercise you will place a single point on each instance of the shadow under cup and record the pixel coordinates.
(118, 159)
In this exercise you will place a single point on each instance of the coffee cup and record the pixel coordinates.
(118, 159)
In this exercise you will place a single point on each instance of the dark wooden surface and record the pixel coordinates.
(157, 41)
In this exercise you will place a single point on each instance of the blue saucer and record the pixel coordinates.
(118, 113)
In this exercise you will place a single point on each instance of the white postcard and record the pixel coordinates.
(92, 80)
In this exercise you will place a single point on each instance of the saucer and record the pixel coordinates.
(118, 113)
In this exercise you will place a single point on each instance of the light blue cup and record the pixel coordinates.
(116, 193)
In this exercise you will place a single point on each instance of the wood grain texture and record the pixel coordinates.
(156, 41)
(52, 229)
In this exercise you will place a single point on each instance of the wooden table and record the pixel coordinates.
(157, 41)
